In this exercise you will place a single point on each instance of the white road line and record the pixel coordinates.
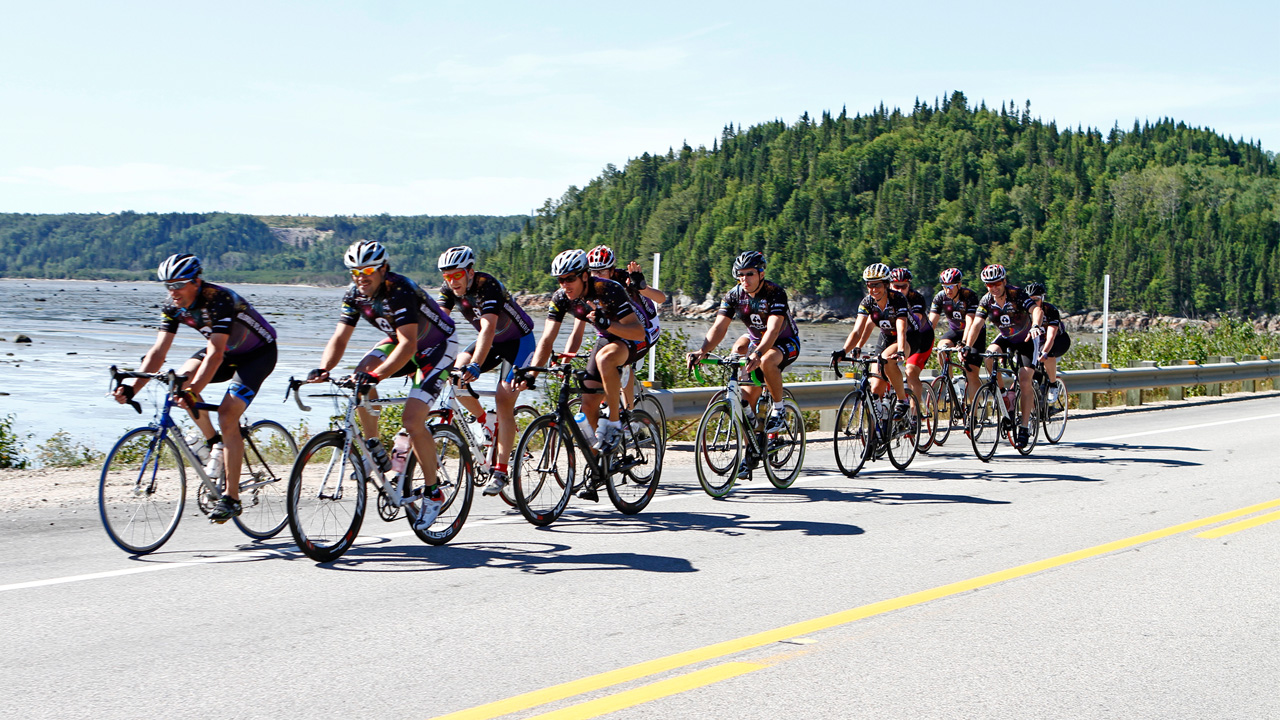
(292, 550)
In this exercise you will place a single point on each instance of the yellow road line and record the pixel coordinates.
(648, 693)
(554, 693)
(1238, 526)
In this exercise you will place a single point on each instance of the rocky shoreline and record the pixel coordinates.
(808, 309)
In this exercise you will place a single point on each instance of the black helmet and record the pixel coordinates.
(1036, 289)
(749, 260)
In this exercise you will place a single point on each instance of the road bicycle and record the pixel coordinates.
(949, 393)
(143, 488)
(546, 469)
(327, 484)
(728, 435)
(1052, 415)
(645, 399)
(995, 410)
(865, 426)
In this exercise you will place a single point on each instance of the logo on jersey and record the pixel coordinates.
(756, 320)
(383, 325)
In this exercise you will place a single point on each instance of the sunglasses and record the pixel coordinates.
(874, 286)
(178, 285)
(357, 272)
(566, 279)
(455, 275)
(746, 274)
(948, 287)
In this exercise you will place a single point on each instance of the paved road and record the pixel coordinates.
(1076, 583)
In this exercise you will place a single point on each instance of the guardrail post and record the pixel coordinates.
(1249, 385)
(1133, 396)
(827, 418)
(1179, 392)
(1088, 400)
(1213, 389)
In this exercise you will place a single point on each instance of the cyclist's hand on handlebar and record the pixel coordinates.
(368, 379)
(692, 358)
(470, 372)
(837, 356)
(524, 380)
(123, 394)
(1037, 331)
(317, 375)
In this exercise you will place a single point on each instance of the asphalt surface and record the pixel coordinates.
(1071, 584)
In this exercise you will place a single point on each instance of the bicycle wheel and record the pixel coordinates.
(984, 422)
(928, 412)
(650, 405)
(326, 496)
(269, 452)
(1033, 422)
(784, 451)
(525, 415)
(142, 491)
(636, 464)
(855, 433)
(543, 476)
(718, 449)
(943, 399)
(453, 475)
(1053, 415)
(903, 433)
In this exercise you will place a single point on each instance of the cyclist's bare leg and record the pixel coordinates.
(1051, 369)
(913, 379)
(769, 367)
(416, 414)
(608, 358)
(229, 414)
(368, 418)
(892, 370)
(505, 399)
(1028, 400)
(991, 362)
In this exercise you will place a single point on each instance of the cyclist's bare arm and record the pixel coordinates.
(406, 347)
(575, 338)
(715, 334)
(628, 328)
(861, 331)
(336, 347)
(545, 344)
(151, 362)
(484, 340)
(971, 332)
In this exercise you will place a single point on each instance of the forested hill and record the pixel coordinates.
(1185, 220)
(233, 247)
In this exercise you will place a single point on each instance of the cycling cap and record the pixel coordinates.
(1036, 289)
(600, 258)
(749, 260)
(179, 267)
(899, 275)
(457, 257)
(992, 273)
(365, 253)
(951, 276)
(876, 272)
(569, 261)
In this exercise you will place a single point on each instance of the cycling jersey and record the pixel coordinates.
(398, 303)
(885, 318)
(755, 310)
(606, 298)
(1012, 318)
(965, 302)
(488, 296)
(632, 281)
(221, 311)
(1053, 318)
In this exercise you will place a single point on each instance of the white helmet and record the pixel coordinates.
(365, 253)
(457, 257)
(179, 267)
(876, 272)
(569, 261)
(993, 273)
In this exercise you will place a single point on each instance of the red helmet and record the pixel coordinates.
(600, 258)
(899, 275)
(951, 276)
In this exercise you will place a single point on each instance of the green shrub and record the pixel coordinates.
(10, 445)
(62, 450)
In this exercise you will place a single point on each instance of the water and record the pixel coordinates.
(80, 328)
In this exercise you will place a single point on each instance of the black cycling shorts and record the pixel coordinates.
(1061, 344)
(957, 337)
(1024, 350)
(636, 350)
(246, 371)
(516, 352)
(789, 347)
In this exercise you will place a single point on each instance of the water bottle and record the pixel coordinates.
(1008, 400)
(379, 454)
(213, 468)
(584, 426)
(962, 387)
(400, 453)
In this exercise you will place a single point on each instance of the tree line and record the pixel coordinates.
(1186, 221)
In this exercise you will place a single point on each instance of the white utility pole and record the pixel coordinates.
(1106, 313)
(653, 351)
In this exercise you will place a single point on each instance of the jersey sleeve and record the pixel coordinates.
(864, 307)
(222, 313)
(558, 307)
(729, 305)
(777, 304)
(169, 319)
(492, 296)
(934, 306)
(350, 313)
(983, 308)
(445, 298)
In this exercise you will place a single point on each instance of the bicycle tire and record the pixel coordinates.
(901, 442)
(142, 491)
(543, 477)
(269, 452)
(718, 449)
(639, 454)
(454, 473)
(784, 454)
(944, 399)
(984, 422)
(326, 527)
(855, 433)
(928, 412)
(1054, 415)
(653, 407)
(524, 415)
(1033, 422)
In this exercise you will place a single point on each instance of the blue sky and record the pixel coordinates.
(491, 108)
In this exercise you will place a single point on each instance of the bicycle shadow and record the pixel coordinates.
(879, 496)
(534, 558)
(719, 523)
(1122, 446)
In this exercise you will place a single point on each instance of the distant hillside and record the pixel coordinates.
(1185, 220)
(233, 247)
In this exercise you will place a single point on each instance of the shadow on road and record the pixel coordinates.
(534, 558)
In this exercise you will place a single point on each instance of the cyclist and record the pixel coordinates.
(771, 343)
(420, 343)
(886, 309)
(602, 263)
(919, 329)
(621, 339)
(957, 304)
(1017, 319)
(1056, 341)
(505, 334)
(240, 347)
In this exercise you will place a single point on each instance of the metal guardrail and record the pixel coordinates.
(688, 403)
